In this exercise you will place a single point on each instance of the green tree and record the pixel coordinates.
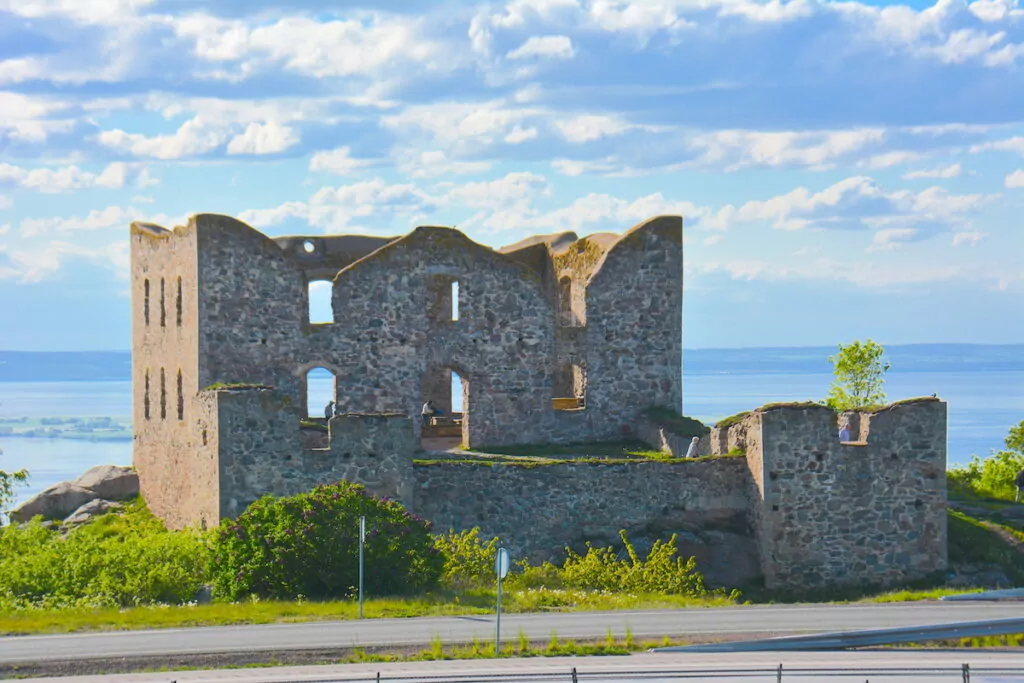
(994, 476)
(858, 369)
(1015, 439)
(8, 482)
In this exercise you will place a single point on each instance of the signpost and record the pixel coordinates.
(362, 540)
(501, 566)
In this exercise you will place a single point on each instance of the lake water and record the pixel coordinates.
(982, 408)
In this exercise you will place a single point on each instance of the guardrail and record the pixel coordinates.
(779, 674)
(844, 640)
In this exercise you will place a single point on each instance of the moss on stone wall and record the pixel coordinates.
(227, 386)
(731, 420)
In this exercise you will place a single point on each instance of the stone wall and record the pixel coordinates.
(829, 513)
(666, 441)
(537, 511)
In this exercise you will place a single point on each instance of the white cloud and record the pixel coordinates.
(514, 189)
(1015, 179)
(518, 135)
(434, 163)
(69, 178)
(969, 238)
(337, 161)
(890, 238)
(557, 47)
(267, 138)
(591, 127)
(81, 11)
(5, 203)
(1014, 144)
(889, 159)
(736, 149)
(97, 219)
(853, 203)
(262, 218)
(573, 168)
(193, 138)
(348, 206)
(951, 171)
(860, 272)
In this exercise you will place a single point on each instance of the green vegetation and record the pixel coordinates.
(731, 420)
(680, 425)
(993, 477)
(627, 449)
(117, 561)
(310, 424)
(859, 370)
(306, 545)
(8, 482)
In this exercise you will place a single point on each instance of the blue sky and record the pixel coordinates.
(845, 170)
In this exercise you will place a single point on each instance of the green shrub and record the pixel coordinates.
(468, 561)
(994, 476)
(116, 560)
(307, 545)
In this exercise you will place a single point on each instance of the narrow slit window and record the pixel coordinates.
(163, 395)
(163, 306)
(145, 399)
(178, 303)
(455, 300)
(181, 398)
(145, 301)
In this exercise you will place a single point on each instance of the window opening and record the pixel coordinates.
(145, 301)
(163, 395)
(178, 302)
(181, 398)
(442, 407)
(455, 301)
(308, 246)
(565, 316)
(320, 308)
(163, 307)
(145, 400)
(321, 393)
(570, 387)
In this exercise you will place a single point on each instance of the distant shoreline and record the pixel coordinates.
(115, 366)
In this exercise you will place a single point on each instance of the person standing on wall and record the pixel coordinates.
(1019, 481)
(691, 452)
(426, 412)
(329, 410)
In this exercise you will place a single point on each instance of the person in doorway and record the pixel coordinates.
(844, 433)
(691, 451)
(329, 410)
(1019, 481)
(427, 411)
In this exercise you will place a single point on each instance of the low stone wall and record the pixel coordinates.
(667, 441)
(538, 510)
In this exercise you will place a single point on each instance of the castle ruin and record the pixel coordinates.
(557, 339)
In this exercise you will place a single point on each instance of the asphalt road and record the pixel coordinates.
(749, 667)
(776, 620)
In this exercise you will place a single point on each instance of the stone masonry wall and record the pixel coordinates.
(261, 451)
(834, 513)
(536, 511)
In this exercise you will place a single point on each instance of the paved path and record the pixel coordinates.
(681, 623)
(945, 667)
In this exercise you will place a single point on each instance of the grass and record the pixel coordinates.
(680, 425)
(267, 612)
(628, 449)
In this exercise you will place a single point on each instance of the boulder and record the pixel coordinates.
(110, 482)
(56, 502)
(93, 508)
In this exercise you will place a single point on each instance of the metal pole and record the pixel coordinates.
(778, 678)
(497, 622)
(362, 539)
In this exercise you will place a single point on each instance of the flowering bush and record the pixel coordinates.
(309, 545)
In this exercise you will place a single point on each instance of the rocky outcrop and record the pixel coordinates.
(61, 501)
(94, 508)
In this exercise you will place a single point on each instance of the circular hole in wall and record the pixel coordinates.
(308, 246)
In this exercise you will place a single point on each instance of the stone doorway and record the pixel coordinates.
(448, 391)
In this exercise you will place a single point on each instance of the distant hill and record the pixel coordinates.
(99, 366)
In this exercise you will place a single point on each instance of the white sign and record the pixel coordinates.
(502, 563)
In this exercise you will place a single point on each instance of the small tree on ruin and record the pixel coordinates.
(859, 371)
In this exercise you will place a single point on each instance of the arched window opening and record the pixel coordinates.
(321, 309)
(178, 302)
(321, 393)
(181, 398)
(570, 387)
(163, 395)
(145, 399)
(145, 301)
(163, 306)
